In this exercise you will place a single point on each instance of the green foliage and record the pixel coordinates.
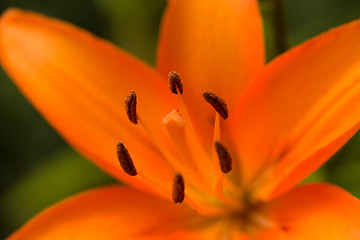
(62, 174)
(134, 25)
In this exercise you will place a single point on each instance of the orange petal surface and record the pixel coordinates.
(305, 100)
(282, 179)
(79, 83)
(314, 212)
(220, 230)
(108, 213)
(215, 45)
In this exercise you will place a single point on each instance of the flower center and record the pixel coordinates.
(213, 190)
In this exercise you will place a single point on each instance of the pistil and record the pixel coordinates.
(175, 124)
(195, 146)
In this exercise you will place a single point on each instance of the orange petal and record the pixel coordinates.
(214, 45)
(284, 177)
(314, 212)
(304, 101)
(79, 83)
(220, 230)
(107, 213)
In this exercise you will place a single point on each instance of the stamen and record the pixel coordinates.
(125, 160)
(194, 148)
(175, 82)
(130, 107)
(178, 189)
(219, 184)
(216, 137)
(175, 124)
(224, 157)
(194, 144)
(218, 103)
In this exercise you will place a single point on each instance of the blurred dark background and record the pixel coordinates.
(37, 168)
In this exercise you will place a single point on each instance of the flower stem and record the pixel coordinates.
(279, 26)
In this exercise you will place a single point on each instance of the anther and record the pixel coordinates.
(178, 189)
(218, 103)
(130, 107)
(175, 82)
(224, 157)
(125, 160)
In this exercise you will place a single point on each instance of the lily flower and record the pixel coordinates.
(212, 143)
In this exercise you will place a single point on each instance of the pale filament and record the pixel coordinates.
(171, 159)
(219, 184)
(175, 125)
(158, 185)
(196, 148)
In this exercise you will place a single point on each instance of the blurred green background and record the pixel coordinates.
(37, 168)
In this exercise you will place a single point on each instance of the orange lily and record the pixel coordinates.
(285, 120)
